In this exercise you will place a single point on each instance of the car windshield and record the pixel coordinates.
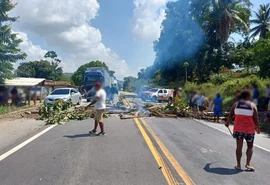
(153, 90)
(93, 78)
(60, 92)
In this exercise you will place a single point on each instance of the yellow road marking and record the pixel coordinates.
(164, 168)
(179, 169)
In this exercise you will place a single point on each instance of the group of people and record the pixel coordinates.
(201, 102)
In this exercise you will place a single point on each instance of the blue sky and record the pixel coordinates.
(115, 21)
(118, 32)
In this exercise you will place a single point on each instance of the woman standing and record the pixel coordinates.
(245, 123)
(217, 108)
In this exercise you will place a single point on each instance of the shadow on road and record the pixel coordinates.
(78, 136)
(221, 171)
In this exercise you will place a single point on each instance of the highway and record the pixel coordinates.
(145, 151)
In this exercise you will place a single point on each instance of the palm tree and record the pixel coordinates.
(262, 21)
(225, 15)
(186, 64)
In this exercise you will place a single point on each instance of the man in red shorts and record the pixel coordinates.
(245, 123)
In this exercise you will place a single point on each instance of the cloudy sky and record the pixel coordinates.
(118, 32)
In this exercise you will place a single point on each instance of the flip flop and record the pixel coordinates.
(250, 168)
(237, 168)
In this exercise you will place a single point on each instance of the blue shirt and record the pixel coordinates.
(256, 93)
(218, 103)
(200, 101)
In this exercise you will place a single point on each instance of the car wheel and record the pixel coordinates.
(154, 99)
(80, 101)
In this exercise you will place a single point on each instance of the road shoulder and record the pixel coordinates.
(13, 132)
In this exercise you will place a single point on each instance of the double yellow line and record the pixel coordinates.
(141, 123)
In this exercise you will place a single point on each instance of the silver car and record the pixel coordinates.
(66, 94)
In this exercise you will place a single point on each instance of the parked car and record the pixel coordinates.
(159, 95)
(67, 94)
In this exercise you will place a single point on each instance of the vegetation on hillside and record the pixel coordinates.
(200, 33)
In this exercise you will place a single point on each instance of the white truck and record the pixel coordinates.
(157, 94)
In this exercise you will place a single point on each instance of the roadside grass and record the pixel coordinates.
(3, 110)
(7, 109)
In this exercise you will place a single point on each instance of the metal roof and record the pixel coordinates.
(23, 82)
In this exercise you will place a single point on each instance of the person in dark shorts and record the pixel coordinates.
(246, 121)
(217, 108)
(266, 96)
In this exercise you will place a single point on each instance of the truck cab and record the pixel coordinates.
(158, 94)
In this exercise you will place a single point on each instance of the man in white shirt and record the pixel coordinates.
(100, 106)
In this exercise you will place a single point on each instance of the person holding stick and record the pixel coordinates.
(100, 106)
(245, 115)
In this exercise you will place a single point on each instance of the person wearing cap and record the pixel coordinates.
(179, 94)
(100, 106)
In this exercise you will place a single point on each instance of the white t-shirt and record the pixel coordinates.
(101, 103)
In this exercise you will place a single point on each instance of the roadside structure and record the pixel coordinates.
(28, 88)
(26, 84)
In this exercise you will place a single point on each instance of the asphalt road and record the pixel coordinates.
(149, 151)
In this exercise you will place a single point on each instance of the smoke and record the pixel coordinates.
(181, 36)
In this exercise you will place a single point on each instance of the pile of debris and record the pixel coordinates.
(170, 112)
(61, 112)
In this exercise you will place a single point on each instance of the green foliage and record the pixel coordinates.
(4, 109)
(180, 104)
(218, 79)
(40, 69)
(191, 86)
(77, 77)
(60, 113)
(51, 54)
(9, 51)
(227, 103)
(262, 56)
(233, 87)
(261, 21)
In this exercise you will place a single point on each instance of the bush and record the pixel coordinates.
(191, 86)
(218, 79)
(3, 109)
(233, 87)
(227, 103)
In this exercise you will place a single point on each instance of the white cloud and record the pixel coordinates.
(33, 52)
(148, 16)
(65, 25)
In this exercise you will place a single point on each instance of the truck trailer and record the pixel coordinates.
(93, 75)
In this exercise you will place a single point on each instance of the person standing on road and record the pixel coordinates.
(266, 96)
(100, 106)
(217, 108)
(256, 94)
(200, 102)
(246, 121)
